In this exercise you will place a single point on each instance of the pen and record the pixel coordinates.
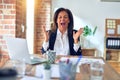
(79, 59)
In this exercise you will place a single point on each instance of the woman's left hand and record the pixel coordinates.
(77, 35)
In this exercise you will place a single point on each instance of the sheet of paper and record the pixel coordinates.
(90, 60)
(39, 71)
(118, 29)
(84, 60)
(111, 31)
(30, 78)
(55, 71)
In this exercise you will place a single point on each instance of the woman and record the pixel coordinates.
(62, 38)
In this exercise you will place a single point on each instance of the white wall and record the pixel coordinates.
(92, 13)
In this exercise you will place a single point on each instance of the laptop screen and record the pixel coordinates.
(17, 48)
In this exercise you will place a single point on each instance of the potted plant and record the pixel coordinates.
(84, 39)
(47, 70)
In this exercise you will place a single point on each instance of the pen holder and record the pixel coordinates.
(67, 71)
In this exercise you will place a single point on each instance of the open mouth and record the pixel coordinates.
(62, 24)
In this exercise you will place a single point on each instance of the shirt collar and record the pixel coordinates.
(59, 33)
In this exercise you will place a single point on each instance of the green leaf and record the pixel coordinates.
(87, 31)
(94, 31)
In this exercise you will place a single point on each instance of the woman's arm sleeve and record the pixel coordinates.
(44, 47)
(76, 46)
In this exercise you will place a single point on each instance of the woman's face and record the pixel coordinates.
(63, 21)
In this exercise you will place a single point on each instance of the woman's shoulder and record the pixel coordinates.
(52, 33)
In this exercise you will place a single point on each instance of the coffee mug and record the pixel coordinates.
(51, 55)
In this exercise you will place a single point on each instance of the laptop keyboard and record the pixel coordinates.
(35, 59)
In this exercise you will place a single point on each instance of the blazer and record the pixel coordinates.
(52, 39)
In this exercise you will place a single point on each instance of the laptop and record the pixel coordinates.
(18, 50)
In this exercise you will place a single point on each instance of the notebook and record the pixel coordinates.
(18, 50)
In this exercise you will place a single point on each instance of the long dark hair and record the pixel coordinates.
(55, 25)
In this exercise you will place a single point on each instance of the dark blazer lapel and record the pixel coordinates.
(52, 40)
(70, 38)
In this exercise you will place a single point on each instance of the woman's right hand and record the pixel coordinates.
(46, 34)
(77, 35)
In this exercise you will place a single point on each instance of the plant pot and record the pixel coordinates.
(47, 74)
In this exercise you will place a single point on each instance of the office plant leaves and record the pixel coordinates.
(88, 31)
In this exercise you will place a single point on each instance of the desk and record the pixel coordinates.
(109, 72)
